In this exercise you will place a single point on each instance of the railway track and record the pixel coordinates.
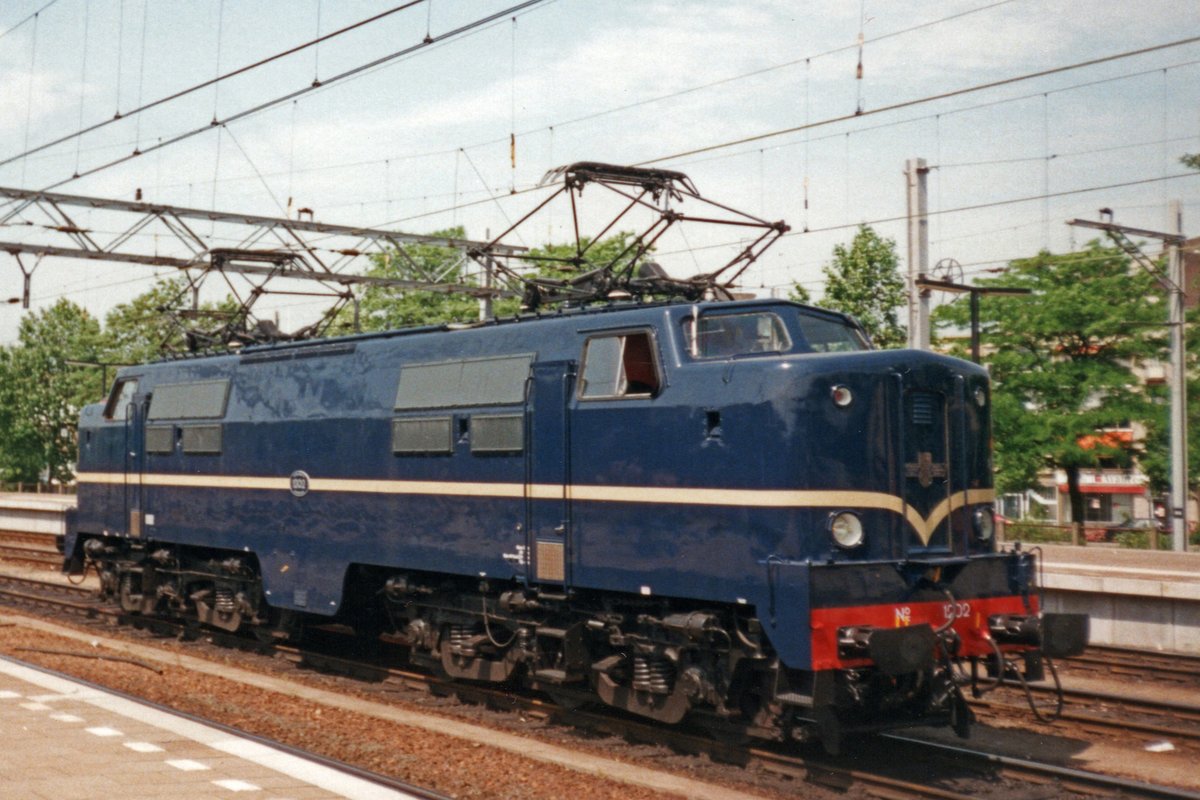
(29, 548)
(886, 778)
(1122, 662)
(1171, 714)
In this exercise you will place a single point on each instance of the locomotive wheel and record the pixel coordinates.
(131, 602)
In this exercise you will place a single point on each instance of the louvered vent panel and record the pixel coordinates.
(923, 407)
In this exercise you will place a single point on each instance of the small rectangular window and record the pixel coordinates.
(196, 400)
(620, 365)
(469, 382)
(422, 435)
(120, 398)
(160, 438)
(201, 439)
(501, 433)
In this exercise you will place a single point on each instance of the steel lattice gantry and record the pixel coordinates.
(260, 249)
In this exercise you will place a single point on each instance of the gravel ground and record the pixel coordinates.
(444, 763)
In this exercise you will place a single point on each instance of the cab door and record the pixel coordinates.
(548, 472)
(135, 462)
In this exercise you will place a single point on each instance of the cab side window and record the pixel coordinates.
(620, 365)
(727, 335)
(120, 397)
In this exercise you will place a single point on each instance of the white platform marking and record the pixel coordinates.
(66, 718)
(234, 785)
(187, 764)
(35, 706)
(104, 731)
(333, 781)
(7, 695)
(143, 747)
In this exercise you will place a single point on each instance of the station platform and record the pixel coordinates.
(1142, 599)
(64, 740)
(34, 513)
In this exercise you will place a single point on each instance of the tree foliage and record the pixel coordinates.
(42, 393)
(1156, 461)
(864, 280)
(1061, 362)
(385, 308)
(562, 262)
(140, 330)
(799, 294)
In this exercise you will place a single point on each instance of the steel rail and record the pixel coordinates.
(824, 770)
(1069, 775)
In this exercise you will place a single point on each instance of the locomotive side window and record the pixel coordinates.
(467, 382)
(201, 439)
(726, 335)
(160, 439)
(497, 433)
(620, 365)
(119, 399)
(422, 435)
(196, 400)
(825, 335)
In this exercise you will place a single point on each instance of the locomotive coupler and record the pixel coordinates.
(895, 651)
(1058, 635)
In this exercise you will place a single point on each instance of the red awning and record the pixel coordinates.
(1106, 488)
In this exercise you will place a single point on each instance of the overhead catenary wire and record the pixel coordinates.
(305, 90)
(29, 92)
(594, 115)
(137, 133)
(927, 99)
(29, 18)
(82, 80)
(973, 207)
(205, 84)
(760, 150)
(806, 141)
(659, 98)
(848, 118)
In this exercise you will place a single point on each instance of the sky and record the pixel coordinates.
(1019, 131)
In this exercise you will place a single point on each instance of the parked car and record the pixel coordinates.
(1139, 525)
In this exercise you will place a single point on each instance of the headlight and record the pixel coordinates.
(846, 529)
(980, 396)
(985, 523)
(841, 395)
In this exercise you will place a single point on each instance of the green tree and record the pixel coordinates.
(562, 262)
(1156, 461)
(1061, 362)
(43, 393)
(799, 294)
(385, 307)
(864, 280)
(142, 329)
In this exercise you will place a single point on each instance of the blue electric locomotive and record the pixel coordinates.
(733, 510)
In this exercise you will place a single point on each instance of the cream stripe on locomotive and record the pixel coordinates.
(761, 498)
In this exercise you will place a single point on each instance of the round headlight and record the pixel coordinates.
(980, 396)
(985, 523)
(842, 396)
(846, 529)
